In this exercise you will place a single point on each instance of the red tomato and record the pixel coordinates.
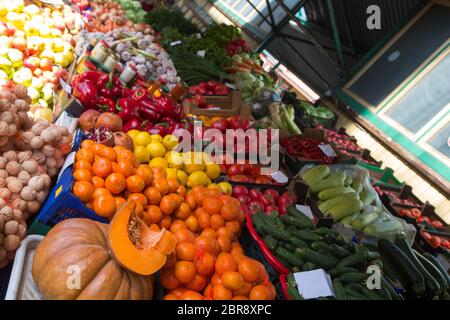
(426, 235)
(235, 169)
(263, 180)
(445, 243)
(435, 241)
(416, 212)
(239, 178)
(437, 224)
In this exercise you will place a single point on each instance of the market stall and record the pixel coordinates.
(120, 162)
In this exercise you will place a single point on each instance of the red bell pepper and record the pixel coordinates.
(169, 108)
(148, 111)
(109, 86)
(89, 75)
(139, 94)
(159, 128)
(171, 124)
(86, 93)
(107, 105)
(134, 123)
(128, 109)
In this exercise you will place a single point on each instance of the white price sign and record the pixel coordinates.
(65, 86)
(201, 53)
(175, 43)
(279, 177)
(229, 85)
(327, 150)
(314, 284)
(306, 210)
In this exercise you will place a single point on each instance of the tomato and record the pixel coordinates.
(272, 193)
(235, 169)
(416, 213)
(445, 243)
(437, 224)
(239, 178)
(435, 241)
(255, 194)
(263, 180)
(425, 235)
(239, 190)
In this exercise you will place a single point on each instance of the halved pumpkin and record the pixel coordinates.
(135, 246)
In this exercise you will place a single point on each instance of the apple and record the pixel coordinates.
(50, 77)
(16, 57)
(3, 30)
(33, 93)
(19, 43)
(31, 10)
(46, 64)
(45, 31)
(56, 33)
(58, 44)
(37, 72)
(47, 54)
(37, 83)
(23, 76)
(31, 63)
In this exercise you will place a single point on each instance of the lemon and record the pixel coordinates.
(158, 162)
(172, 173)
(133, 133)
(198, 178)
(213, 186)
(170, 142)
(156, 137)
(141, 153)
(193, 161)
(174, 159)
(225, 187)
(206, 158)
(156, 149)
(142, 139)
(182, 177)
(212, 170)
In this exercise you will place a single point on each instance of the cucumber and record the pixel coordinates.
(299, 243)
(397, 265)
(330, 238)
(270, 242)
(315, 173)
(291, 229)
(337, 271)
(308, 266)
(431, 285)
(353, 259)
(288, 246)
(338, 251)
(434, 272)
(290, 220)
(319, 245)
(438, 265)
(307, 236)
(372, 294)
(334, 192)
(357, 277)
(257, 222)
(299, 216)
(321, 260)
(283, 261)
(275, 232)
(339, 290)
(354, 295)
(341, 240)
(290, 257)
(323, 231)
(296, 269)
(294, 294)
(291, 279)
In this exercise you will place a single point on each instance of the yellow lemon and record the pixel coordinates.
(225, 187)
(170, 142)
(156, 149)
(174, 159)
(158, 162)
(133, 133)
(212, 170)
(142, 139)
(206, 158)
(213, 186)
(193, 161)
(171, 173)
(141, 153)
(198, 178)
(182, 177)
(156, 137)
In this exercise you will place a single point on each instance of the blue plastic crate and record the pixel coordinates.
(61, 204)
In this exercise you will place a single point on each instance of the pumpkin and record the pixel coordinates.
(84, 259)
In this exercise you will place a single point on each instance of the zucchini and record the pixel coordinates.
(335, 180)
(307, 236)
(368, 197)
(299, 216)
(315, 173)
(308, 266)
(353, 259)
(431, 285)
(357, 277)
(339, 290)
(344, 209)
(349, 219)
(275, 232)
(334, 192)
(397, 265)
(321, 260)
(299, 243)
(337, 271)
(338, 251)
(389, 289)
(364, 219)
(434, 272)
(342, 198)
(357, 185)
(438, 265)
(290, 257)
(270, 242)
(290, 220)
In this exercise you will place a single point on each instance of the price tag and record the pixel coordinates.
(306, 210)
(279, 177)
(201, 53)
(198, 35)
(214, 108)
(175, 43)
(229, 85)
(327, 150)
(314, 284)
(55, 3)
(65, 86)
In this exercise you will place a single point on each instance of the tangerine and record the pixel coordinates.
(83, 190)
(105, 205)
(83, 164)
(102, 167)
(115, 183)
(82, 175)
(98, 182)
(135, 183)
(185, 271)
(153, 195)
(145, 173)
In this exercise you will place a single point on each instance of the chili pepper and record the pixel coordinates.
(148, 111)
(128, 109)
(139, 94)
(109, 86)
(107, 105)
(86, 93)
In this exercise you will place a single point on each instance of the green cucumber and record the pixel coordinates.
(308, 266)
(357, 277)
(438, 265)
(353, 259)
(353, 294)
(299, 243)
(321, 260)
(372, 294)
(290, 257)
(270, 242)
(288, 246)
(275, 232)
(299, 216)
(330, 238)
(338, 251)
(283, 261)
(296, 269)
(337, 271)
(434, 272)
(290, 220)
(397, 265)
(339, 290)
(323, 231)
(319, 245)
(307, 236)
(294, 294)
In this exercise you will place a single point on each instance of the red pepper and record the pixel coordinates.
(148, 111)
(169, 108)
(107, 105)
(134, 123)
(109, 86)
(171, 124)
(139, 94)
(128, 109)
(89, 75)
(159, 128)
(86, 93)
(125, 92)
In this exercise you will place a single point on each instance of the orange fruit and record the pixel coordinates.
(135, 183)
(161, 184)
(224, 243)
(181, 190)
(165, 222)
(139, 198)
(183, 211)
(236, 250)
(213, 192)
(212, 205)
(203, 220)
(152, 214)
(86, 144)
(98, 182)
(200, 194)
(185, 271)
(233, 226)
(222, 293)
(156, 228)
(191, 295)
(115, 183)
(177, 225)
(167, 205)
(160, 172)
(191, 223)
(185, 251)
(108, 153)
(232, 280)
(198, 284)
(216, 221)
(178, 292)
(172, 184)
(259, 292)
(216, 280)
(229, 212)
(225, 262)
(184, 235)
(153, 195)
(168, 280)
(204, 263)
(83, 190)
(120, 202)
(207, 244)
(100, 191)
(177, 198)
(170, 296)
(244, 290)
(190, 200)
(83, 164)
(95, 148)
(209, 232)
(126, 154)
(85, 154)
(248, 269)
(223, 231)
(105, 205)
(234, 298)
(124, 167)
(102, 167)
(145, 173)
(82, 175)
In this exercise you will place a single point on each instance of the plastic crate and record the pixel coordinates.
(382, 175)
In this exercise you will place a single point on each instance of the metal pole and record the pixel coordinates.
(260, 14)
(270, 13)
(288, 36)
(309, 35)
(347, 29)
(337, 40)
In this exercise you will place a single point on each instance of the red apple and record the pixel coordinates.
(50, 77)
(46, 64)
(37, 72)
(31, 63)
(3, 30)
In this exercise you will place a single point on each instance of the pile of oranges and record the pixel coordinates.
(208, 262)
